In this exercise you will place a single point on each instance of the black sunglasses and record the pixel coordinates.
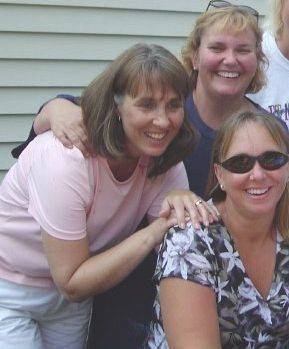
(242, 163)
(220, 4)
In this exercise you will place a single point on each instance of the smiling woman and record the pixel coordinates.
(226, 286)
(224, 59)
(80, 216)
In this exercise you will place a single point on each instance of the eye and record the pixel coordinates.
(175, 104)
(146, 104)
(244, 50)
(216, 48)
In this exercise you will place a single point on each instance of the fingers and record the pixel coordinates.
(187, 205)
(70, 137)
(165, 209)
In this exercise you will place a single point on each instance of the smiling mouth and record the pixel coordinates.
(228, 74)
(158, 136)
(257, 191)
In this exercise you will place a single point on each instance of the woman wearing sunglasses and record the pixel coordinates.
(227, 285)
(275, 96)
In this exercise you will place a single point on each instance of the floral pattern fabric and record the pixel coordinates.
(208, 257)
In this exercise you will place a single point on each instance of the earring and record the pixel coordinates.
(119, 119)
(222, 187)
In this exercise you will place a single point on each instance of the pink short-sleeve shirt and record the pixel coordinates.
(71, 197)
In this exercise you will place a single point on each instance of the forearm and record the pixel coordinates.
(57, 106)
(105, 270)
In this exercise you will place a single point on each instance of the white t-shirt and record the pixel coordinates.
(275, 96)
(70, 196)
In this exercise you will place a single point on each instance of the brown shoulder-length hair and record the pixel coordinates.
(222, 144)
(142, 66)
(230, 18)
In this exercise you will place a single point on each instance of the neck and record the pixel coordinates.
(214, 110)
(122, 169)
(246, 229)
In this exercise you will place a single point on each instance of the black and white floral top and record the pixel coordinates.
(208, 257)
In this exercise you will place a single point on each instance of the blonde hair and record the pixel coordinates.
(235, 19)
(142, 66)
(222, 144)
(275, 22)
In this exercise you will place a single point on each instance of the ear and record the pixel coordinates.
(218, 173)
(195, 60)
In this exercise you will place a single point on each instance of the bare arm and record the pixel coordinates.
(64, 118)
(189, 315)
(79, 276)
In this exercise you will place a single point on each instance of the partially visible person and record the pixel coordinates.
(68, 223)
(227, 285)
(274, 97)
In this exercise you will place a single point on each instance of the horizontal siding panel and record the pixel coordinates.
(170, 5)
(15, 128)
(5, 155)
(91, 21)
(28, 100)
(36, 73)
(74, 47)
(2, 174)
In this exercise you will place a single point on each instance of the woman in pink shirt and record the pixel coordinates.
(67, 222)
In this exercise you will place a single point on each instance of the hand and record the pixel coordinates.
(187, 205)
(158, 228)
(65, 120)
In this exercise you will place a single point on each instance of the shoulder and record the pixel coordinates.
(175, 177)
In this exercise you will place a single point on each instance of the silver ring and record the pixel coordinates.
(198, 202)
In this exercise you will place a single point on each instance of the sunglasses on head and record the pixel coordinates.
(242, 163)
(220, 4)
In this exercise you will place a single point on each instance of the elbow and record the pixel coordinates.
(75, 297)
(73, 294)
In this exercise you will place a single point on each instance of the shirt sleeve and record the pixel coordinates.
(174, 178)
(60, 190)
(187, 254)
(19, 149)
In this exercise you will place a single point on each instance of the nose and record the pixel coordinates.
(161, 118)
(230, 57)
(257, 172)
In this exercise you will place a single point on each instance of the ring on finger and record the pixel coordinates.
(199, 202)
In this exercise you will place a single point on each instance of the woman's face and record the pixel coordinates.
(226, 62)
(150, 121)
(256, 192)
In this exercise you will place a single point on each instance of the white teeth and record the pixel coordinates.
(255, 191)
(155, 135)
(227, 74)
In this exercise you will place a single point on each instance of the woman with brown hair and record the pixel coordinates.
(71, 220)
(226, 285)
